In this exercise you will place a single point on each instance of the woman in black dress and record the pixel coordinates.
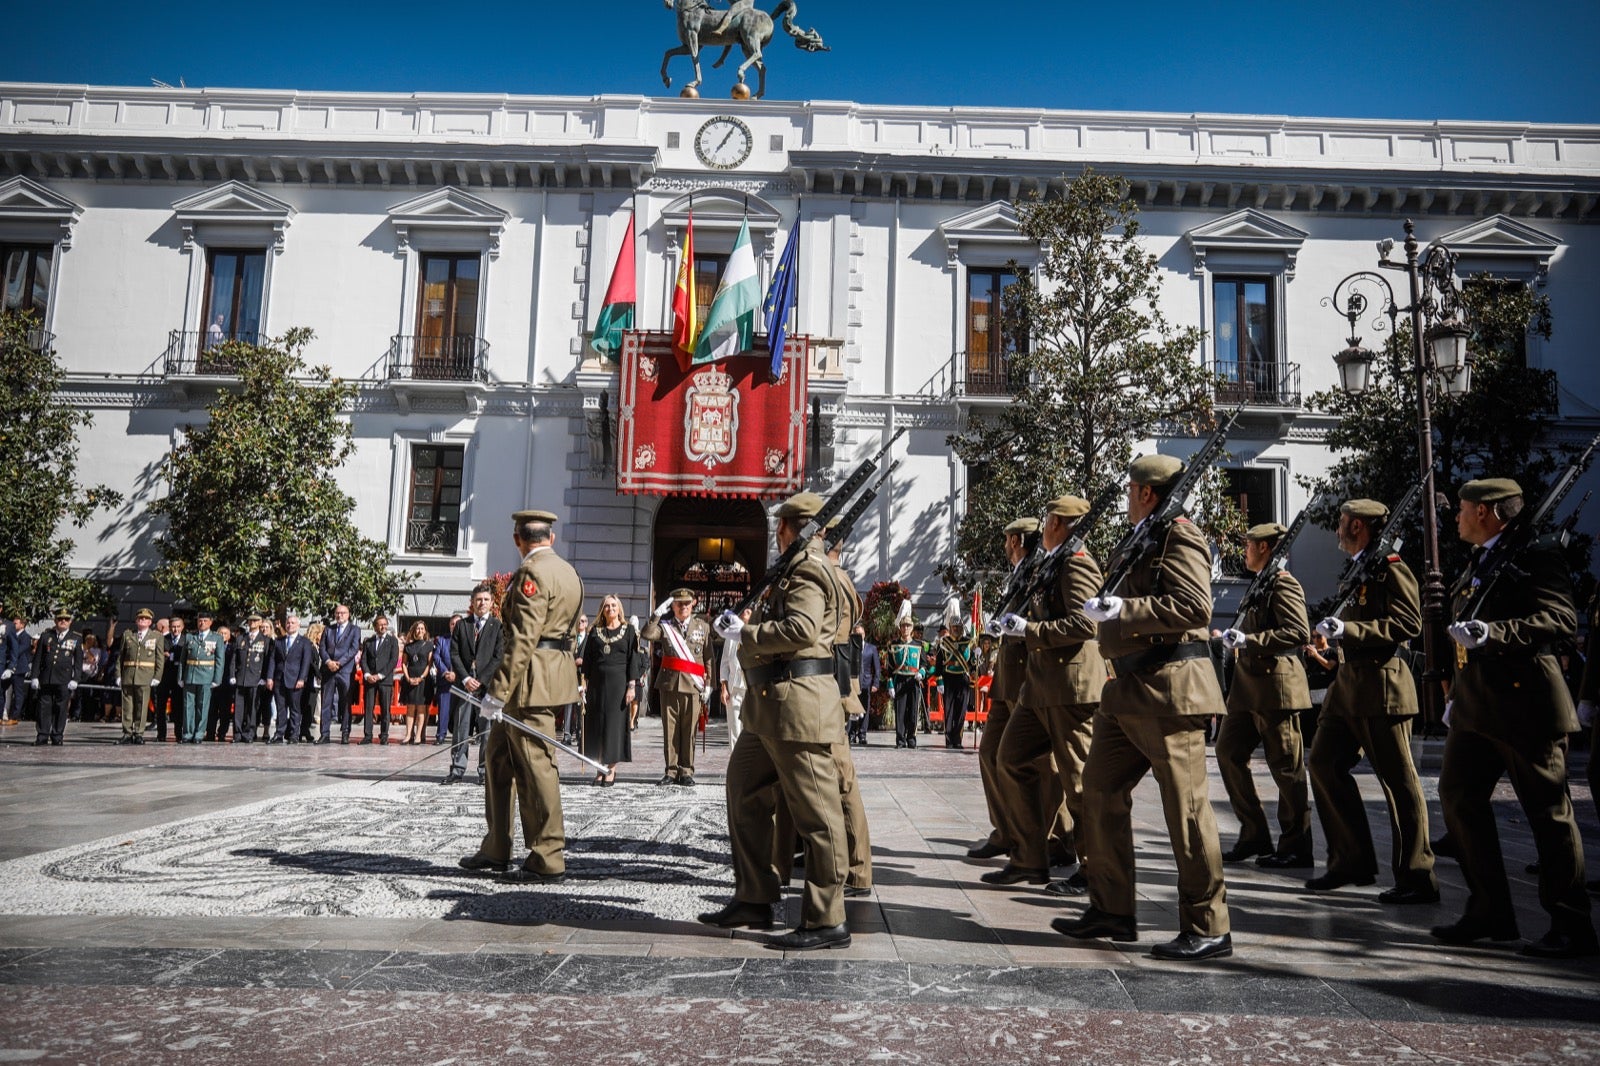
(416, 664)
(609, 660)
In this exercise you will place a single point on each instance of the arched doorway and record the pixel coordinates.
(716, 546)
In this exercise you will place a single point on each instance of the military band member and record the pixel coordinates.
(1368, 710)
(792, 722)
(57, 665)
(1509, 714)
(380, 657)
(681, 681)
(1152, 719)
(1268, 694)
(251, 668)
(952, 665)
(906, 671)
(537, 677)
(1055, 706)
(139, 665)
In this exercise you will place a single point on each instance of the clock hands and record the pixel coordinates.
(725, 139)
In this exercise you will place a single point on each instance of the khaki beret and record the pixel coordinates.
(1157, 471)
(1023, 526)
(800, 505)
(1364, 509)
(1265, 531)
(143, 612)
(1490, 490)
(520, 517)
(1067, 507)
(682, 596)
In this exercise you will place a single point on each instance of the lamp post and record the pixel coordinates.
(1439, 356)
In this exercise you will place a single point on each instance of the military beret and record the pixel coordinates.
(1067, 507)
(1265, 531)
(682, 596)
(800, 505)
(1364, 509)
(520, 517)
(1023, 526)
(1490, 490)
(143, 612)
(62, 612)
(1157, 471)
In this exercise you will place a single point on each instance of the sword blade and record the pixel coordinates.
(501, 716)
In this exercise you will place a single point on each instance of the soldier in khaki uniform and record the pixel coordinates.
(1368, 711)
(791, 721)
(1152, 719)
(536, 678)
(1056, 703)
(1588, 700)
(1509, 714)
(139, 663)
(1268, 693)
(681, 681)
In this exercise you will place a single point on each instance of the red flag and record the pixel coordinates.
(685, 309)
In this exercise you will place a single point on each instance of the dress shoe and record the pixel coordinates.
(40, 742)
(451, 779)
(1016, 875)
(1559, 945)
(138, 740)
(987, 850)
(1192, 947)
(686, 782)
(740, 915)
(55, 743)
(1468, 929)
(521, 875)
(1286, 862)
(483, 862)
(1063, 857)
(1399, 896)
(667, 779)
(829, 936)
(1247, 849)
(1444, 847)
(1330, 881)
(1076, 885)
(856, 891)
(125, 740)
(277, 740)
(1093, 924)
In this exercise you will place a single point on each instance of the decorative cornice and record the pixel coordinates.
(27, 206)
(232, 204)
(1248, 230)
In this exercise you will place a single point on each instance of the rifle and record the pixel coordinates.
(834, 536)
(1149, 535)
(1051, 571)
(1522, 532)
(1378, 552)
(835, 503)
(1261, 584)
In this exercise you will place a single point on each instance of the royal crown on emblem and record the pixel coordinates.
(714, 379)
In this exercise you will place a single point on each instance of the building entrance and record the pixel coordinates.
(717, 547)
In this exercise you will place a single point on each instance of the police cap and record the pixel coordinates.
(1068, 507)
(1023, 526)
(801, 505)
(1490, 490)
(254, 616)
(1364, 508)
(203, 613)
(1156, 471)
(63, 612)
(143, 612)
(1265, 531)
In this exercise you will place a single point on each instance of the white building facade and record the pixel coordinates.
(451, 253)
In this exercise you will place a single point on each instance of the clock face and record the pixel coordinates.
(723, 142)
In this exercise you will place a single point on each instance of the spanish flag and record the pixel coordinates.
(685, 311)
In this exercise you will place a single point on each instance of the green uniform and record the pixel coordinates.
(140, 659)
(1152, 718)
(1268, 693)
(203, 659)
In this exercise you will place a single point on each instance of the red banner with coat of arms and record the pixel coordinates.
(718, 429)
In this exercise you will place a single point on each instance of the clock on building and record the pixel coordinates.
(723, 142)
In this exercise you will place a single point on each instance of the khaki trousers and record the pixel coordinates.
(1386, 741)
(1279, 733)
(760, 769)
(1173, 749)
(1051, 798)
(135, 708)
(1035, 737)
(680, 714)
(858, 837)
(517, 762)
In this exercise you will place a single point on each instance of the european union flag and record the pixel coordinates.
(781, 297)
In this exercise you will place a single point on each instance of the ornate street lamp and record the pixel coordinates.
(1439, 357)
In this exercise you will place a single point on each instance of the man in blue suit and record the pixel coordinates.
(16, 661)
(446, 677)
(293, 663)
(341, 646)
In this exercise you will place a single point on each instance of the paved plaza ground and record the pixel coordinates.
(233, 904)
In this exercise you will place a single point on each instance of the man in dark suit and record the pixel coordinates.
(341, 645)
(475, 656)
(57, 666)
(250, 669)
(293, 662)
(16, 660)
(169, 693)
(446, 678)
(380, 654)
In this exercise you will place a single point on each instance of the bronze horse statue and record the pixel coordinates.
(743, 24)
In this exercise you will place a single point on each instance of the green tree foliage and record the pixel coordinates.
(38, 479)
(254, 518)
(1099, 370)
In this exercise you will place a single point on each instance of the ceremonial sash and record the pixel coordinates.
(681, 659)
(687, 666)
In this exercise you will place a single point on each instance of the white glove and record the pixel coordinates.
(1013, 625)
(71, 685)
(1103, 608)
(1232, 639)
(492, 706)
(633, 620)
(34, 684)
(374, 677)
(233, 680)
(1449, 706)
(663, 607)
(1470, 635)
(1331, 628)
(1586, 713)
(993, 627)
(216, 684)
(6, 676)
(728, 625)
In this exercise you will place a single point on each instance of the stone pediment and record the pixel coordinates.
(231, 209)
(993, 225)
(1502, 244)
(449, 209)
(32, 211)
(722, 209)
(1246, 231)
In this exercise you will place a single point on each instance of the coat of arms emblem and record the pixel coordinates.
(711, 418)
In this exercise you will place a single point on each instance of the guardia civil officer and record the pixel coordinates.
(1368, 711)
(139, 662)
(1152, 719)
(1509, 714)
(203, 655)
(57, 665)
(1265, 701)
(681, 682)
(791, 721)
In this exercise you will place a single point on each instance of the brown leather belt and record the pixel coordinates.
(788, 670)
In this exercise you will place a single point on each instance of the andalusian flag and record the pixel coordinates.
(731, 322)
(622, 296)
(685, 313)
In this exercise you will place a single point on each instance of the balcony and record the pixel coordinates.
(1257, 384)
(432, 538)
(198, 353)
(975, 374)
(445, 359)
(40, 340)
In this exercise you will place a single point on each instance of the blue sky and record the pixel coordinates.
(1474, 59)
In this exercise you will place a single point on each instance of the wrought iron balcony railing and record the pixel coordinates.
(460, 358)
(41, 340)
(1257, 384)
(974, 374)
(432, 537)
(201, 352)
